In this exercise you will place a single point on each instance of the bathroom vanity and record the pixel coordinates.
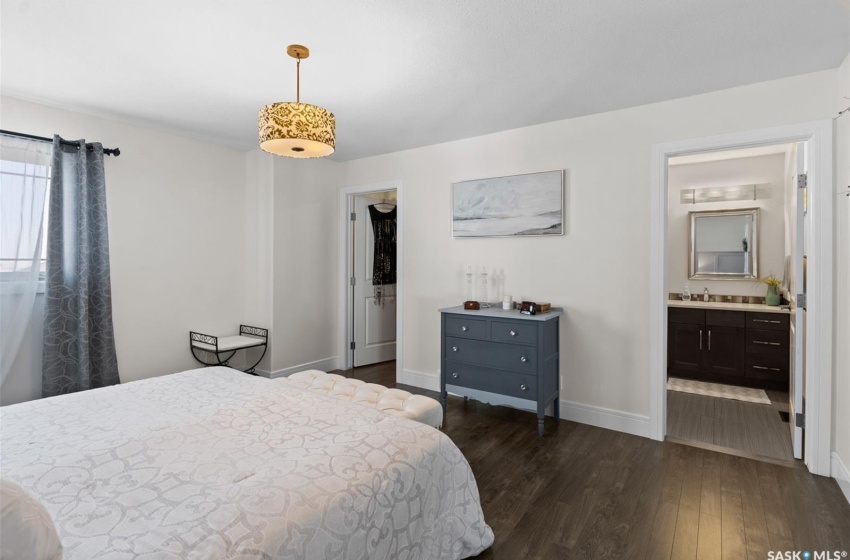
(735, 343)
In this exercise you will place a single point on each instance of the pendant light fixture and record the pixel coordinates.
(297, 130)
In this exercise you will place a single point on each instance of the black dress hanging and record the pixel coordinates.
(384, 263)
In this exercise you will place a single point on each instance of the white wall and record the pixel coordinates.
(724, 173)
(599, 271)
(290, 248)
(259, 252)
(305, 257)
(176, 231)
(841, 381)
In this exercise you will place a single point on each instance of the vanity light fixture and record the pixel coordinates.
(723, 194)
(297, 130)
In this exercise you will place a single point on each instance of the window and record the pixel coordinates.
(23, 199)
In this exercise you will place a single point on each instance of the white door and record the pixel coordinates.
(798, 322)
(374, 322)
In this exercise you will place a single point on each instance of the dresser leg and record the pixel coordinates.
(556, 407)
(443, 400)
(540, 426)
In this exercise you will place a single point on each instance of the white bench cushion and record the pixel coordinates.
(227, 343)
(392, 401)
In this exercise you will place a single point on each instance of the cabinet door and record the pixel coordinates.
(724, 351)
(684, 343)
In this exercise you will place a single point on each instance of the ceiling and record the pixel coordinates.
(723, 155)
(400, 74)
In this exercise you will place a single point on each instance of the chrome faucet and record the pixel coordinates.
(705, 296)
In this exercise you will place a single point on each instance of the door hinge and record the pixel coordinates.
(352, 345)
(802, 181)
(801, 301)
(353, 216)
(353, 281)
(800, 420)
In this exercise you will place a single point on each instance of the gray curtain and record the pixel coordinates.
(79, 342)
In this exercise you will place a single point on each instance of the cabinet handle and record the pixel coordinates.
(767, 368)
(524, 387)
(709, 339)
(513, 333)
(523, 359)
(765, 321)
(700, 339)
(454, 348)
(454, 374)
(464, 328)
(767, 343)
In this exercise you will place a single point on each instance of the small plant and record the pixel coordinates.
(770, 280)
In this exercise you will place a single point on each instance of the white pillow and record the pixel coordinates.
(26, 529)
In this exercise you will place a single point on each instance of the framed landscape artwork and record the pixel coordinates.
(518, 205)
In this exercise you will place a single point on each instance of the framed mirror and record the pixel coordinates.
(724, 244)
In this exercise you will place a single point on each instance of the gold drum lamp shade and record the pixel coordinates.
(297, 130)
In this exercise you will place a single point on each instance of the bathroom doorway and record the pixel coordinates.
(732, 226)
(735, 342)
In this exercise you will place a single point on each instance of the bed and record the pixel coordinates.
(213, 463)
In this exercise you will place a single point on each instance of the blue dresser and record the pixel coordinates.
(502, 357)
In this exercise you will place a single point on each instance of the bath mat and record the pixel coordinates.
(717, 390)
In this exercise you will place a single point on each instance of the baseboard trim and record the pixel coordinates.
(841, 474)
(327, 364)
(607, 418)
(430, 381)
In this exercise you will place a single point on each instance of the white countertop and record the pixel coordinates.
(728, 306)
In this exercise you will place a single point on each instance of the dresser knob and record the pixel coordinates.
(454, 374)
(454, 348)
(464, 328)
(524, 387)
(523, 359)
(513, 333)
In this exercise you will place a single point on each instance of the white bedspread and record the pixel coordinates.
(214, 463)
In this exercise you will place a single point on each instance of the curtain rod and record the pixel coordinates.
(106, 151)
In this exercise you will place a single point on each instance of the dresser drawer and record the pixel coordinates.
(491, 380)
(466, 328)
(768, 321)
(767, 342)
(516, 332)
(493, 354)
(767, 366)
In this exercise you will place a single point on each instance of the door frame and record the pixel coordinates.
(819, 343)
(345, 330)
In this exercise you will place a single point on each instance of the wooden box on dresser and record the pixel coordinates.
(743, 347)
(501, 357)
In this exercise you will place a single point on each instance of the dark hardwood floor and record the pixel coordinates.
(586, 492)
(756, 429)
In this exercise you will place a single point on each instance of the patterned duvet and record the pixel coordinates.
(213, 463)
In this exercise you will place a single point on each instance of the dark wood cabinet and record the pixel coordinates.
(724, 351)
(738, 347)
(684, 347)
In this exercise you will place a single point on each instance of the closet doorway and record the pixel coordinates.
(373, 301)
(372, 280)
